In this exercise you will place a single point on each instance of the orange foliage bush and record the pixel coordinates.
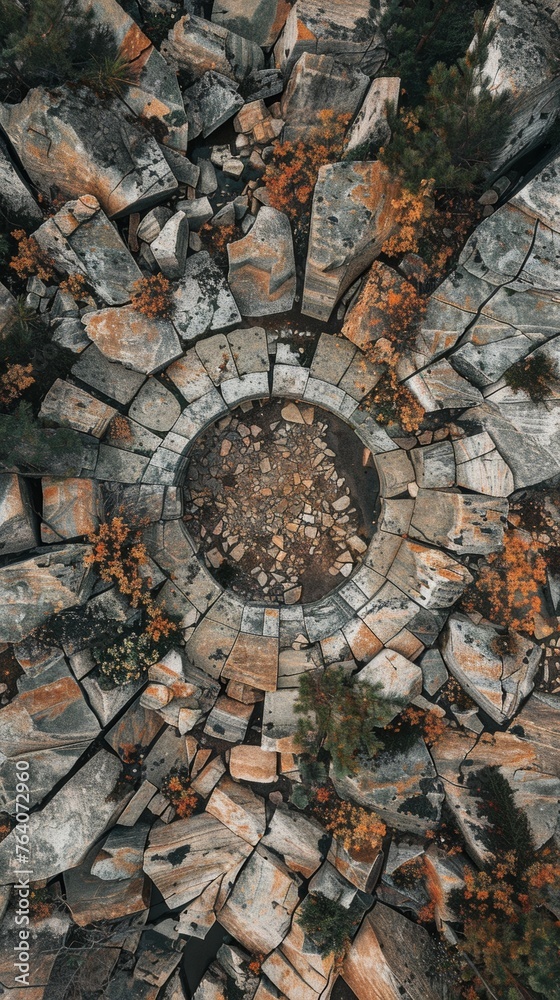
(175, 788)
(31, 259)
(291, 174)
(75, 284)
(216, 238)
(431, 725)
(117, 554)
(507, 588)
(153, 297)
(359, 831)
(13, 383)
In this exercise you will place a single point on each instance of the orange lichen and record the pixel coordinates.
(507, 588)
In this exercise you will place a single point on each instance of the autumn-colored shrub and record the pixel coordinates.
(507, 587)
(340, 716)
(31, 260)
(117, 554)
(75, 284)
(119, 429)
(216, 238)
(153, 297)
(429, 724)
(291, 173)
(175, 788)
(359, 831)
(127, 659)
(13, 383)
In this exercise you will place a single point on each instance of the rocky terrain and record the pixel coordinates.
(280, 713)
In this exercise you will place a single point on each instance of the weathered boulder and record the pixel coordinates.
(400, 679)
(71, 507)
(70, 144)
(462, 523)
(320, 83)
(184, 857)
(197, 46)
(136, 341)
(401, 786)
(248, 763)
(370, 130)
(298, 839)
(262, 273)
(171, 244)
(17, 524)
(110, 883)
(50, 725)
(65, 829)
(259, 908)
(33, 590)
(81, 240)
(497, 676)
(521, 61)
(261, 21)
(203, 301)
(16, 198)
(238, 808)
(352, 216)
(347, 31)
(428, 576)
(392, 957)
(211, 101)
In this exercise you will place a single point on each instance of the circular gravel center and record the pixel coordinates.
(279, 502)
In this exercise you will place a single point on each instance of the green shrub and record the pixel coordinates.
(329, 924)
(535, 375)
(127, 659)
(340, 716)
(453, 137)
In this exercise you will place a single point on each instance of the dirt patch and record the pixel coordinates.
(278, 514)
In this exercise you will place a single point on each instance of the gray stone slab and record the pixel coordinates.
(252, 386)
(71, 406)
(332, 357)
(289, 380)
(119, 466)
(250, 350)
(326, 616)
(203, 300)
(371, 433)
(108, 377)
(200, 414)
(215, 354)
(190, 376)
(330, 397)
(155, 406)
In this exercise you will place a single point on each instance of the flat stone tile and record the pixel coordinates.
(324, 394)
(155, 406)
(190, 376)
(210, 645)
(254, 661)
(250, 350)
(119, 466)
(215, 354)
(332, 357)
(108, 377)
(289, 380)
(67, 404)
(252, 386)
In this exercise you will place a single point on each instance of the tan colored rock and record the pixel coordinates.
(347, 31)
(253, 660)
(370, 130)
(467, 524)
(248, 763)
(138, 342)
(351, 218)
(198, 46)
(428, 576)
(400, 679)
(262, 271)
(296, 838)
(258, 911)
(71, 507)
(238, 808)
(66, 404)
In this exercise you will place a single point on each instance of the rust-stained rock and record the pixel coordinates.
(71, 145)
(370, 130)
(69, 405)
(32, 590)
(238, 808)
(392, 957)
(497, 676)
(17, 526)
(188, 854)
(63, 831)
(228, 720)
(110, 883)
(248, 763)
(197, 46)
(81, 240)
(366, 320)
(347, 31)
(259, 22)
(253, 660)
(400, 679)
(138, 342)
(361, 869)
(351, 218)
(428, 576)
(467, 524)
(320, 84)
(262, 272)
(71, 507)
(258, 910)
(49, 724)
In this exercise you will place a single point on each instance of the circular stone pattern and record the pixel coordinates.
(278, 503)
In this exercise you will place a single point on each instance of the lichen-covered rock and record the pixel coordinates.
(71, 145)
(347, 31)
(71, 507)
(259, 908)
(202, 300)
(459, 522)
(211, 101)
(197, 46)
(32, 590)
(370, 130)
(401, 786)
(262, 273)
(320, 83)
(136, 341)
(497, 680)
(16, 199)
(261, 21)
(352, 216)
(17, 525)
